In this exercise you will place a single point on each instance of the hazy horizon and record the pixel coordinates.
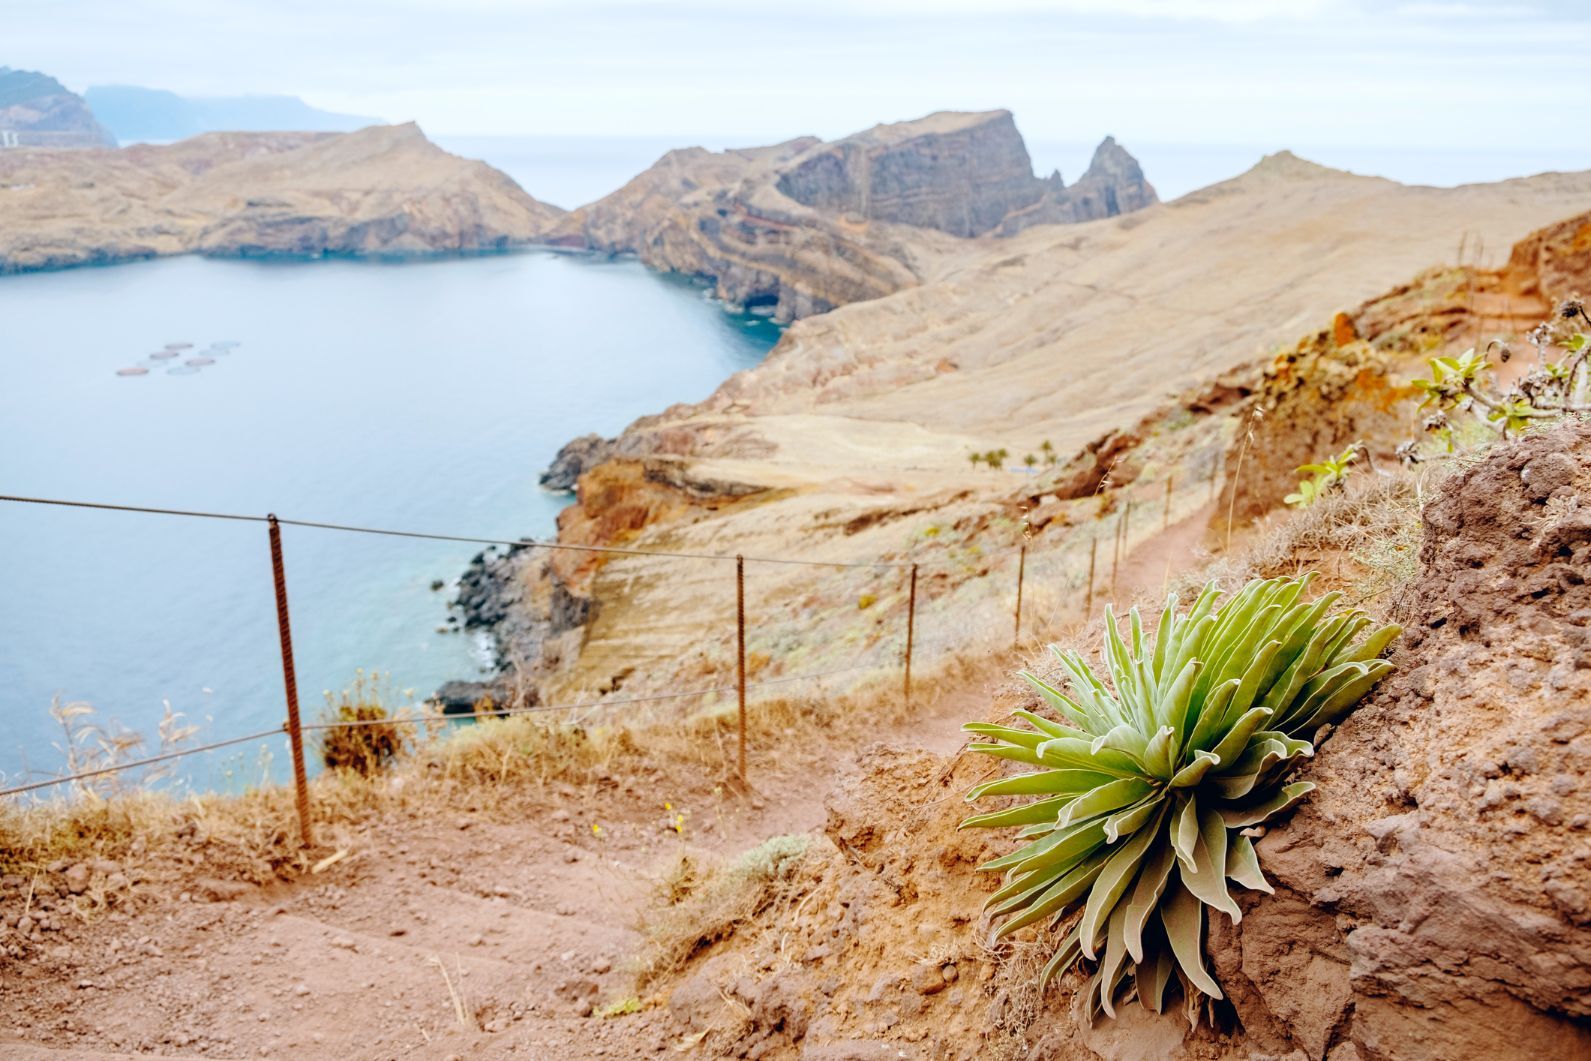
(1307, 75)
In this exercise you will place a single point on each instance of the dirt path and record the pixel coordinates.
(523, 926)
(462, 936)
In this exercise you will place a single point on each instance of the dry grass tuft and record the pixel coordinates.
(696, 911)
(1365, 540)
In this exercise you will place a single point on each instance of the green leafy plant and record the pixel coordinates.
(1327, 475)
(1553, 389)
(1144, 788)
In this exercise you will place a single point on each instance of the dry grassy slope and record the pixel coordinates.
(858, 426)
(386, 189)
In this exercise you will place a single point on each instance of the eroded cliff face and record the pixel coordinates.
(383, 190)
(38, 111)
(806, 226)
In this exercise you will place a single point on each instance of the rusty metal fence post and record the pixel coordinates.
(911, 629)
(295, 733)
(1021, 572)
(740, 654)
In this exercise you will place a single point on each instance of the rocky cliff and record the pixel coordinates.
(805, 226)
(37, 111)
(384, 190)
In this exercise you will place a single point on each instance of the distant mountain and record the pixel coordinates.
(38, 111)
(134, 113)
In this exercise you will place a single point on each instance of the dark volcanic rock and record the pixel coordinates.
(575, 458)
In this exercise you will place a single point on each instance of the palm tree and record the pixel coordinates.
(975, 458)
(995, 459)
(1030, 460)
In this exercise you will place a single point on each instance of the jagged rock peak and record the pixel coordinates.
(1114, 183)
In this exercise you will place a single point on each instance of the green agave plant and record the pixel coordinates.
(1144, 790)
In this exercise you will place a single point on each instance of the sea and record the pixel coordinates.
(424, 395)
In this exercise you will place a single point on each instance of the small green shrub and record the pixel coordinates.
(1328, 475)
(1144, 789)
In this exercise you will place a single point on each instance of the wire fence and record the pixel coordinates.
(1032, 582)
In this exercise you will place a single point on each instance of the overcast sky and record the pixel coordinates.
(1299, 73)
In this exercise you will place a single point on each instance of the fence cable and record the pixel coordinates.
(118, 767)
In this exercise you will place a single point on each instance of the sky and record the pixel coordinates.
(1497, 84)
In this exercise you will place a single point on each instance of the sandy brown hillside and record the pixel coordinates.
(382, 190)
(852, 440)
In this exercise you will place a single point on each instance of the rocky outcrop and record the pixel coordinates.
(961, 174)
(380, 191)
(575, 458)
(806, 226)
(1114, 183)
(37, 111)
(1433, 898)
(1349, 382)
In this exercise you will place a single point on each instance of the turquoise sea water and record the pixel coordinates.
(426, 395)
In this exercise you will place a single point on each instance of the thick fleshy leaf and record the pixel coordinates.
(1243, 865)
(1193, 773)
(1065, 957)
(1243, 816)
(1069, 751)
(1207, 880)
(1152, 974)
(1232, 746)
(1182, 917)
(1070, 780)
(1104, 799)
(1146, 892)
(1056, 895)
(1113, 880)
(1056, 699)
(1111, 968)
(1157, 755)
(1126, 822)
(1185, 829)
(1044, 810)
(1047, 726)
(1025, 738)
(1059, 847)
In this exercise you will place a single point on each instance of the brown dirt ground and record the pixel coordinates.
(522, 916)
